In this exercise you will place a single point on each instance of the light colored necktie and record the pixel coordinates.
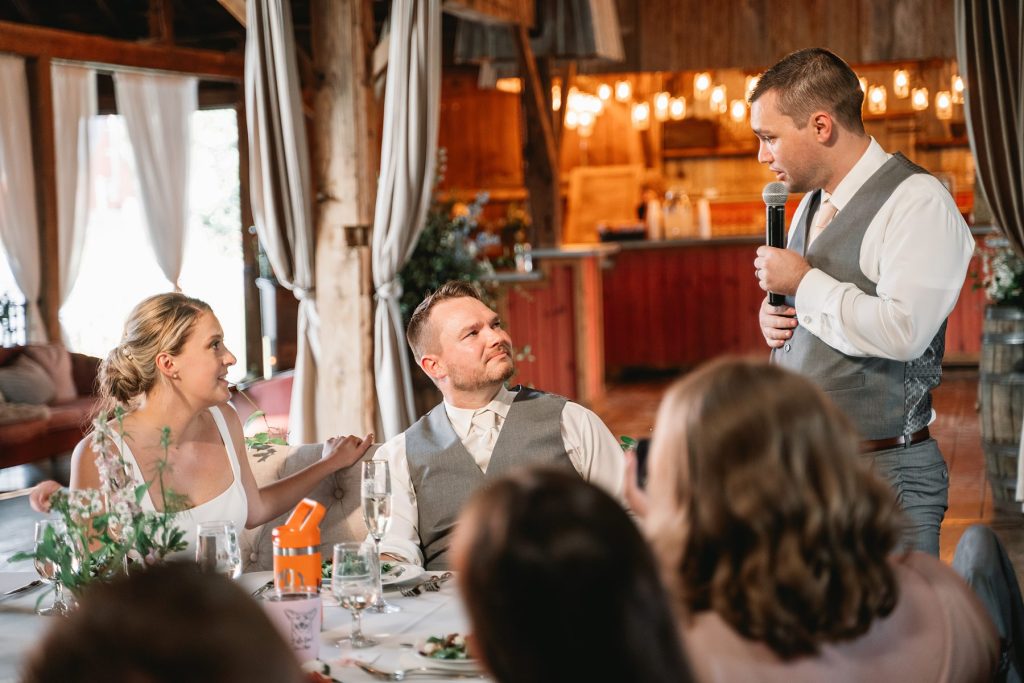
(483, 434)
(826, 213)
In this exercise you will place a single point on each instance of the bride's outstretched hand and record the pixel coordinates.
(39, 499)
(345, 451)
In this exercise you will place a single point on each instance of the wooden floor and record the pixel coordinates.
(630, 409)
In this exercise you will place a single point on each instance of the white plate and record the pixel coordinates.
(400, 573)
(453, 665)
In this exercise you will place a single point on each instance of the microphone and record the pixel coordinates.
(774, 196)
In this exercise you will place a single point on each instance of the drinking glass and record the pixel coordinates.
(354, 582)
(217, 549)
(47, 569)
(376, 493)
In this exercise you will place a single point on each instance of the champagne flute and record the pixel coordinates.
(354, 582)
(217, 549)
(47, 568)
(376, 493)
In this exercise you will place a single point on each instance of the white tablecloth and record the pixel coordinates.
(427, 614)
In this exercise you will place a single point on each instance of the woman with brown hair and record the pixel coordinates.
(776, 539)
(560, 585)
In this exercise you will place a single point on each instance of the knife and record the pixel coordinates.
(22, 589)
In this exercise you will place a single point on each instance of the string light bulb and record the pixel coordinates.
(738, 110)
(701, 85)
(604, 91)
(718, 99)
(641, 116)
(919, 99)
(943, 105)
(677, 108)
(556, 97)
(623, 91)
(661, 101)
(957, 89)
(901, 83)
(877, 96)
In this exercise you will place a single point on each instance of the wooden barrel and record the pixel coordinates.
(1001, 389)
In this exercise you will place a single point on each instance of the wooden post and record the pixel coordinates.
(540, 153)
(44, 153)
(253, 333)
(346, 149)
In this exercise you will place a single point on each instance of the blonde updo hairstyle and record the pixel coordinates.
(159, 324)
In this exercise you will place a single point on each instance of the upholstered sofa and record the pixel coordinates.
(47, 396)
(338, 493)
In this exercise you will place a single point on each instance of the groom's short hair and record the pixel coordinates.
(415, 333)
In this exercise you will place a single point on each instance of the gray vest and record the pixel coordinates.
(444, 474)
(884, 398)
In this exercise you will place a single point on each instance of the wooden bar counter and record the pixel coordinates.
(591, 311)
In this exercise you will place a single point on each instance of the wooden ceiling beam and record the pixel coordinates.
(235, 8)
(33, 41)
(161, 21)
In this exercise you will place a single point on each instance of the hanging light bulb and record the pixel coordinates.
(571, 119)
(943, 105)
(738, 110)
(877, 96)
(919, 99)
(661, 106)
(585, 119)
(957, 89)
(749, 86)
(901, 83)
(677, 108)
(604, 91)
(718, 99)
(556, 97)
(641, 116)
(701, 85)
(623, 91)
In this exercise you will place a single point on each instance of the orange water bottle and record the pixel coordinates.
(297, 548)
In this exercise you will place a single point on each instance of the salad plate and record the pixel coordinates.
(445, 653)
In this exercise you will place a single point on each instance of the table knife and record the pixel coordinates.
(22, 589)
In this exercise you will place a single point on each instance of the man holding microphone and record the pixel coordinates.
(875, 261)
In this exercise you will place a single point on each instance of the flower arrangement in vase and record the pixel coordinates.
(103, 529)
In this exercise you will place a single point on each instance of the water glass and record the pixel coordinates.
(48, 570)
(376, 496)
(217, 549)
(354, 583)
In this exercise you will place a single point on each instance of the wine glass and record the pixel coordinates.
(217, 549)
(354, 582)
(48, 569)
(376, 493)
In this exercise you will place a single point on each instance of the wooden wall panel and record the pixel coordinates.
(541, 316)
(678, 307)
(672, 35)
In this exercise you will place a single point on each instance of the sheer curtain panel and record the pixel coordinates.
(157, 110)
(407, 167)
(19, 226)
(74, 103)
(279, 184)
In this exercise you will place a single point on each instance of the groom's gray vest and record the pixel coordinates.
(884, 398)
(444, 474)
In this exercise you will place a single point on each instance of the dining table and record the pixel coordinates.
(430, 613)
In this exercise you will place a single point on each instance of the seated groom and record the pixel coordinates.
(481, 429)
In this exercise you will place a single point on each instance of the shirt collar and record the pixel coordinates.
(462, 418)
(872, 160)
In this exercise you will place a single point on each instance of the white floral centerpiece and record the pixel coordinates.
(107, 527)
(1002, 273)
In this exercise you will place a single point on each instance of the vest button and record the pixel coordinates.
(339, 493)
(253, 557)
(786, 347)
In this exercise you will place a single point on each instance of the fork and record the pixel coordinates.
(431, 584)
(402, 674)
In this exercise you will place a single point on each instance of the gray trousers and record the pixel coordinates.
(920, 479)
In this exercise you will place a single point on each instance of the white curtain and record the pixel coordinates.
(157, 110)
(409, 147)
(74, 103)
(19, 226)
(279, 184)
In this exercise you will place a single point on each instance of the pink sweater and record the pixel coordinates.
(938, 632)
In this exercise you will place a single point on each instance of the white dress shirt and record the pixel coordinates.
(591, 448)
(916, 249)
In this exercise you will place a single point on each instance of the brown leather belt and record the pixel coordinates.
(885, 444)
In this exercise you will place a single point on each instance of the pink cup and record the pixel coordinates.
(298, 616)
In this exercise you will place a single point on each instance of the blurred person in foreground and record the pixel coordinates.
(776, 541)
(875, 261)
(166, 623)
(560, 585)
